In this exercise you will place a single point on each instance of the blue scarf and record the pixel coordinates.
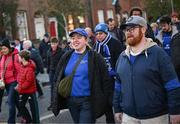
(103, 49)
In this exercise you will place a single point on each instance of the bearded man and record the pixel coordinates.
(147, 90)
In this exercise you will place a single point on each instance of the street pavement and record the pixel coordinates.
(45, 115)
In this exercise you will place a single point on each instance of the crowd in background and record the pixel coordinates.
(129, 72)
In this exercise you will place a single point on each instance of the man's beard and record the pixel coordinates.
(133, 41)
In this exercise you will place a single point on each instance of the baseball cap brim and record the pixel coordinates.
(123, 26)
(74, 32)
(78, 31)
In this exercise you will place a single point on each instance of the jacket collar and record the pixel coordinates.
(149, 44)
(159, 35)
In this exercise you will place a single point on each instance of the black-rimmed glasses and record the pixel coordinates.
(131, 29)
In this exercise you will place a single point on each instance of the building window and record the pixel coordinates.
(110, 14)
(70, 23)
(81, 19)
(22, 25)
(39, 24)
(100, 16)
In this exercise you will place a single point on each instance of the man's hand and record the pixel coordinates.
(16, 88)
(175, 119)
(118, 117)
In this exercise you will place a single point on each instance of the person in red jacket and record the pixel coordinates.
(8, 73)
(1, 90)
(27, 88)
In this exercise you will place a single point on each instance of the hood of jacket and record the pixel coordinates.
(149, 44)
(159, 35)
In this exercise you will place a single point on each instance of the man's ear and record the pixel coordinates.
(143, 29)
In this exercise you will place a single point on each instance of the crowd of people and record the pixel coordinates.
(129, 73)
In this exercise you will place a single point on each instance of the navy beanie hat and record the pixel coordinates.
(5, 43)
(101, 27)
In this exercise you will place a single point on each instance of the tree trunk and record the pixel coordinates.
(2, 29)
(14, 26)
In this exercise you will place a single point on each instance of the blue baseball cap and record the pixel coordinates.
(101, 27)
(80, 31)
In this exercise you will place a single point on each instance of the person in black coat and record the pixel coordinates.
(44, 46)
(91, 83)
(35, 56)
(175, 53)
(53, 56)
(115, 31)
(110, 49)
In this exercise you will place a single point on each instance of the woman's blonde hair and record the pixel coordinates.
(154, 25)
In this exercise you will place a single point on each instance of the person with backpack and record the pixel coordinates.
(8, 73)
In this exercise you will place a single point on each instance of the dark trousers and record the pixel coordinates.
(81, 110)
(39, 89)
(31, 98)
(51, 76)
(109, 111)
(1, 97)
(109, 115)
(12, 101)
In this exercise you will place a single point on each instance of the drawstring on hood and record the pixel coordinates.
(149, 43)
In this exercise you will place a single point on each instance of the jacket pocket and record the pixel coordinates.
(156, 99)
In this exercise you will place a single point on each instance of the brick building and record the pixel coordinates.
(101, 10)
(32, 24)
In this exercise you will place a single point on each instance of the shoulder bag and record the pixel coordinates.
(65, 85)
